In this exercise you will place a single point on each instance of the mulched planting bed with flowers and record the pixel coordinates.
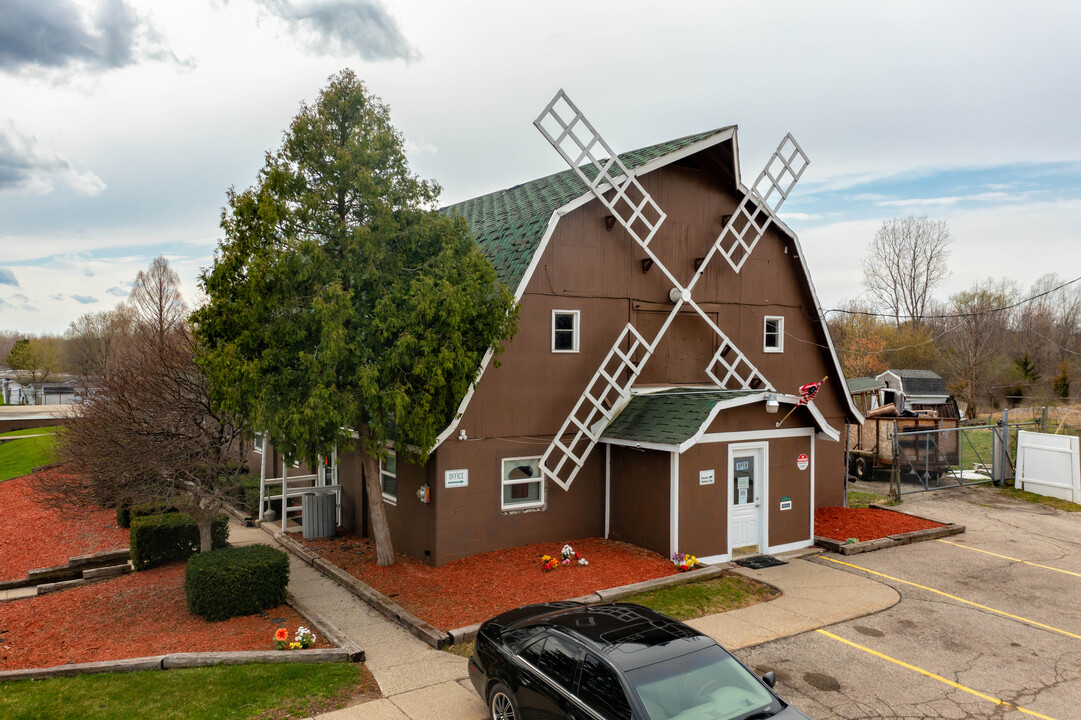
(33, 535)
(473, 589)
(838, 523)
(136, 615)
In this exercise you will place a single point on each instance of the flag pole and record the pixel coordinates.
(824, 379)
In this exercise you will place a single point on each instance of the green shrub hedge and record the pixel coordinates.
(158, 539)
(124, 513)
(236, 581)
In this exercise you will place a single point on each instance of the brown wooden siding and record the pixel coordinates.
(703, 509)
(787, 480)
(640, 500)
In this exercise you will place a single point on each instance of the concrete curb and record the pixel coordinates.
(179, 660)
(890, 540)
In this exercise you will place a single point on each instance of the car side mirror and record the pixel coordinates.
(770, 678)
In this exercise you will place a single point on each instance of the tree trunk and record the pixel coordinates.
(384, 548)
(204, 510)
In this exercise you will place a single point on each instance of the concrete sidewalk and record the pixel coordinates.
(420, 683)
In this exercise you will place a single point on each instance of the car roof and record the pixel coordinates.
(629, 635)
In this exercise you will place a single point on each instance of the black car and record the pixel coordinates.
(612, 662)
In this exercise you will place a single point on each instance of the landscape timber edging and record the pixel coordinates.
(706, 572)
(392, 610)
(72, 570)
(844, 548)
(180, 660)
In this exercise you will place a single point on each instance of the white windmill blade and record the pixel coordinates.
(729, 363)
(759, 206)
(604, 397)
(576, 140)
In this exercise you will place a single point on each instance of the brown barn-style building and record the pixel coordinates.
(685, 466)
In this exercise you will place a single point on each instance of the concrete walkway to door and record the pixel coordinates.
(419, 683)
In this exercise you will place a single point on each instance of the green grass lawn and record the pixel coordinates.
(1032, 497)
(731, 591)
(858, 499)
(216, 693)
(19, 457)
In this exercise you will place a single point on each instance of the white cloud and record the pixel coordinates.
(26, 165)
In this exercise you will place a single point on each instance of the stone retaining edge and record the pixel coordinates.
(392, 610)
(179, 660)
(891, 540)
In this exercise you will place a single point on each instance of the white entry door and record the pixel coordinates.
(746, 493)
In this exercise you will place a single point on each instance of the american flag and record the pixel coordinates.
(807, 392)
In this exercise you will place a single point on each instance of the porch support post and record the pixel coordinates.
(262, 480)
(673, 500)
(285, 490)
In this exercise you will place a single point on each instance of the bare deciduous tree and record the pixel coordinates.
(93, 341)
(978, 336)
(905, 262)
(156, 299)
(149, 432)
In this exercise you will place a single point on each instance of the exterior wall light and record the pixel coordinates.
(772, 405)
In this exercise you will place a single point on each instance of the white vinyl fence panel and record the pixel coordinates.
(1048, 465)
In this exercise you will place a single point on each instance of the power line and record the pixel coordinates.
(868, 313)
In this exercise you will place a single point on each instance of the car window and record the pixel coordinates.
(600, 689)
(555, 657)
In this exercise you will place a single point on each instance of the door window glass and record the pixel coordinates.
(600, 689)
(743, 480)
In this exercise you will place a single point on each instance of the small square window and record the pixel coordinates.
(773, 334)
(523, 486)
(565, 331)
(388, 477)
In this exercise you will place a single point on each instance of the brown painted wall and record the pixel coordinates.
(703, 509)
(786, 479)
(640, 500)
(470, 520)
(25, 424)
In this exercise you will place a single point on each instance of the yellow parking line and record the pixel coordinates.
(1007, 557)
(941, 679)
(961, 600)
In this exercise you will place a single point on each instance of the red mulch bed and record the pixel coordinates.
(838, 523)
(35, 536)
(136, 615)
(475, 588)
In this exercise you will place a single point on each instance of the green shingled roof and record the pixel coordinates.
(508, 224)
(863, 384)
(670, 417)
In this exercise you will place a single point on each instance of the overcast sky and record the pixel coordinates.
(123, 122)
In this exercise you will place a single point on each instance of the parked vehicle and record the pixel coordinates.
(613, 662)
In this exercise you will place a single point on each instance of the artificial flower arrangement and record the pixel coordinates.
(303, 640)
(684, 561)
(567, 556)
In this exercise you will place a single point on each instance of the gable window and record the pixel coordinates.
(565, 331)
(522, 484)
(388, 477)
(773, 334)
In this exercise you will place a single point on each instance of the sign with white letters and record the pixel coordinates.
(802, 461)
(456, 478)
(705, 477)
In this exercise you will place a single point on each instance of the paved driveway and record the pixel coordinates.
(976, 635)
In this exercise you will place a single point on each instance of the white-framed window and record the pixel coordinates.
(388, 477)
(773, 334)
(257, 443)
(565, 331)
(522, 484)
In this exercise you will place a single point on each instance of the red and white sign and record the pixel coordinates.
(803, 461)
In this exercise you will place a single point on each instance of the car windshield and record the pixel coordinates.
(705, 685)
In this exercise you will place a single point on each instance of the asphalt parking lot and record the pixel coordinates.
(975, 634)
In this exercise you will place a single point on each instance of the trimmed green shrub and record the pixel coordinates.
(158, 539)
(236, 581)
(124, 513)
